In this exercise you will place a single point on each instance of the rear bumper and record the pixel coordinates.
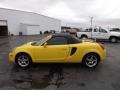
(104, 55)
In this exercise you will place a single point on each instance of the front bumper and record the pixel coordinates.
(119, 38)
(11, 57)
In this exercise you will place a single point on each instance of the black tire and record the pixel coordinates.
(91, 60)
(113, 39)
(23, 60)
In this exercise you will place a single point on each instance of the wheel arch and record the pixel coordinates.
(23, 53)
(112, 37)
(84, 35)
(98, 55)
(116, 39)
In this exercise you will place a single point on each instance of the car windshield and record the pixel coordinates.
(41, 41)
(77, 39)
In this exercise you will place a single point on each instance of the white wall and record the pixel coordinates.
(15, 18)
(32, 30)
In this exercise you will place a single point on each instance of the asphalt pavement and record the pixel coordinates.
(58, 76)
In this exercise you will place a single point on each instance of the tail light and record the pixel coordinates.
(102, 45)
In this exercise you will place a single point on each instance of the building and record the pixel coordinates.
(16, 22)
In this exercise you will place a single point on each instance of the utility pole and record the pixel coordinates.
(91, 21)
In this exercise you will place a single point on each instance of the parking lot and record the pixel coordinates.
(58, 76)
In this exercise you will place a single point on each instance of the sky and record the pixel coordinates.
(74, 13)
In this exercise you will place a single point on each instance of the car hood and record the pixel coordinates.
(21, 46)
(28, 44)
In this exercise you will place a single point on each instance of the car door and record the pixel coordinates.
(104, 34)
(56, 49)
(96, 33)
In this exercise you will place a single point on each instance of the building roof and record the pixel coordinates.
(30, 12)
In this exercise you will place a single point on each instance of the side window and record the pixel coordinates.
(57, 41)
(96, 30)
(90, 29)
(103, 31)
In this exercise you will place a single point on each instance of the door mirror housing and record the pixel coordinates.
(45, 45)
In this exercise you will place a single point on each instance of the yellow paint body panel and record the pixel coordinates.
(58, 53)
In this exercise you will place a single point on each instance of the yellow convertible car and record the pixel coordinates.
(59, 48)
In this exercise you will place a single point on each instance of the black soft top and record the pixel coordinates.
(71, 39)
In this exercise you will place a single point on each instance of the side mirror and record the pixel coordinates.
(45, 45)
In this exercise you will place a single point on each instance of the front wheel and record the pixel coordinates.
(23, 60)
(91, 60)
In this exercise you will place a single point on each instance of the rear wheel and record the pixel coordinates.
(113, 39)
(91, 60)
(23, 60)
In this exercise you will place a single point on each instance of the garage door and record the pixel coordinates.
(3, 28)
(33, 30)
